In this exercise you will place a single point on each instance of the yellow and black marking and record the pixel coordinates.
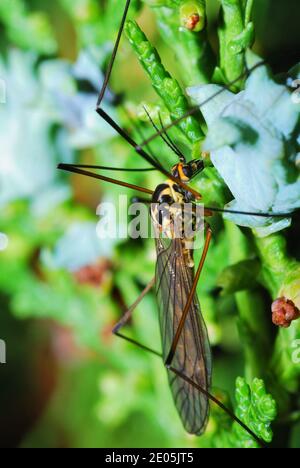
(169, 198)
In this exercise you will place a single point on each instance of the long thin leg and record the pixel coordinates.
(76, 170)
(208, 210)
(130, 141)
(144, 155)
(109, 168)
(139, 345)
(114, 54)
(218, 403)
(250, 213)
(198, 387)
(127, 316)
(189, 301)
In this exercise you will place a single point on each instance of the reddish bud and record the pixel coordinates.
(93, 275)
(193, 15)
(284, 312)
(192, 22)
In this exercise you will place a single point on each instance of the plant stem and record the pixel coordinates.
(236, 35)
(252, 324)
(281, 276)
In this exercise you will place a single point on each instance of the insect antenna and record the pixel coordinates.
(179, 152)
(139, 132)
(166, 140)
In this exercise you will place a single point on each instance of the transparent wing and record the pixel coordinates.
(174, 280)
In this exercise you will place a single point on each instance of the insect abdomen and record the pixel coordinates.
(193, 356)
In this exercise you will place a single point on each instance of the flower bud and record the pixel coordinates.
(284, 311)
(193, 15)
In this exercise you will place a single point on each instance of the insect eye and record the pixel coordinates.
(187, 171)
(196, 166)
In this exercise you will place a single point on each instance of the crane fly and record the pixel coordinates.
(186, 350)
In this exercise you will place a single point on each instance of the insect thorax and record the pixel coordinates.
(173, 213)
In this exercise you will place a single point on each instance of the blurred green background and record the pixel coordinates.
(67, 381)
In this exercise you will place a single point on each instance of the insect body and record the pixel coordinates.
(170, 192)
(185, 345)
(170, 203)
(173, 282)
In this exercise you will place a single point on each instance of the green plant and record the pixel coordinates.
(53, 261)
(253, 146)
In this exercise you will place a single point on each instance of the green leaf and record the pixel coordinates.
(256, 408)
(236, 35)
